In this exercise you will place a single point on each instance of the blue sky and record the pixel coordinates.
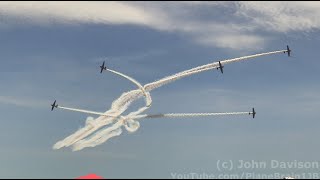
(53, 50)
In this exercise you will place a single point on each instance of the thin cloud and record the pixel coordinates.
(22, 102)
(237, 42)
(281, 16)
(217, 24)
(79, 12)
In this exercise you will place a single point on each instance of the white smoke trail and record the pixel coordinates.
(123, 102)
(128, 121)
(90, 127)
(105, 134)
(170, 115)
(147, 95)
(117, 108)
(251, 56)
(199, 69)
(70, 139)
(102, 135)
(85, 111)
(93, 143)
(160, 83)
(132, 125)
(79, 146)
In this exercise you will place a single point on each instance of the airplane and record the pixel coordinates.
(288, 51)
(220, 67)
(54, 105)
(253, 113)
(103, 67)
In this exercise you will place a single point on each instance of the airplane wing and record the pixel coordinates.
(85, 111)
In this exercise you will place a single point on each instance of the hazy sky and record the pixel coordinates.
(53, 50)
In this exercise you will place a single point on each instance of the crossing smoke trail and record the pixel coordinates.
(147, 95)
(115, 130)
(117, 108)
(79, 140)
(133, 125)
(107, 133)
